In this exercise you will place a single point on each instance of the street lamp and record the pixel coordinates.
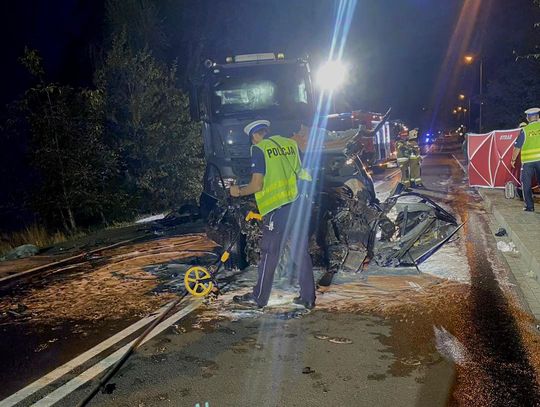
(469, 59)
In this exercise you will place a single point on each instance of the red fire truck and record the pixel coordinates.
(378, 149)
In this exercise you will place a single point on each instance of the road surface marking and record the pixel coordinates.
(110, 360)
(392, 175)
(460, 165)
(76, 362)
(386, 179)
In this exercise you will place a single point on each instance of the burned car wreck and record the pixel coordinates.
(350, 227)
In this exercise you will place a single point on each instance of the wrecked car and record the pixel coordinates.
(350, 227)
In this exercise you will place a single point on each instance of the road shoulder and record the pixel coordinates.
(523, 230)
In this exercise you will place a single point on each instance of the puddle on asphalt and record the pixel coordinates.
(410, 313)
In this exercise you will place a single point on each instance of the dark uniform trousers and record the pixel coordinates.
(279, 230)
(528, 171)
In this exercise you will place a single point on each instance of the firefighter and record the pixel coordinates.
(528, 143)
(414, 159)
(402, 151)
(276, 168)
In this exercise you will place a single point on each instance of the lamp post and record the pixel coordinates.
(466, 110)
(469, 59)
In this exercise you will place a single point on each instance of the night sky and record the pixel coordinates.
(397, 50)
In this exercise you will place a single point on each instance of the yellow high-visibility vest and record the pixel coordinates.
(283, 168)
(530, 151)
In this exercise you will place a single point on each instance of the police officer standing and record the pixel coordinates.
(414, 159)
(528, 143)
(276, 168)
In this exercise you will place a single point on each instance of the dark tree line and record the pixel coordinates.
(513, 70)
(123, 146)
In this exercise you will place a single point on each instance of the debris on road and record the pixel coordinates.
(21, 252)
(127, 281)
(449, 346)
(505, 247)
(151, 218)
(321, 337)
(340, 340)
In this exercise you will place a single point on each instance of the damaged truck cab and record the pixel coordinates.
(226, 97)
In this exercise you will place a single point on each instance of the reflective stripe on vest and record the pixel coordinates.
(530, 151)
(283, 166)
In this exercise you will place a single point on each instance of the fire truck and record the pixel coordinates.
(378, 149)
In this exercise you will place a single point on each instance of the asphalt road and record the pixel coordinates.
(379, 340)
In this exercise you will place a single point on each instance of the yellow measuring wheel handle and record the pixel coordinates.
(253, 215)
(225, 256)
(198, 281)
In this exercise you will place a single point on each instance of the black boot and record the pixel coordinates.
(326, 279)
(305, 304)
(247, 300)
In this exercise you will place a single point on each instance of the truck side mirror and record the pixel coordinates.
(194, 111)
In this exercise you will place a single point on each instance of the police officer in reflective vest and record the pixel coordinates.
(528, 143)
(276, 168)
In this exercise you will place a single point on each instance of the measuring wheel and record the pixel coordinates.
(198, 281)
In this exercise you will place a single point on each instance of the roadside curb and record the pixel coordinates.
(517, 274)
(526, 268)
(530, 259)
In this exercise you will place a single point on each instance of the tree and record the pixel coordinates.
(74, 166)
(140, 20)
(513, 88)
(148, 125)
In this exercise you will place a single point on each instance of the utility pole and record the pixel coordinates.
(469, 59)
(481, 92)
(469, 115)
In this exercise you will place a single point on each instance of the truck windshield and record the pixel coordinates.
(279, 89)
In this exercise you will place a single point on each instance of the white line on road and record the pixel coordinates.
(110, 360)
(392, 174)
(460, 165)
(386, 179)
(79, 360)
